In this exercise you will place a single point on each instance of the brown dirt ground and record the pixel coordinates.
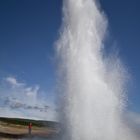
(9, 131)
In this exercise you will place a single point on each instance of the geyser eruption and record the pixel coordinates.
(91, 89)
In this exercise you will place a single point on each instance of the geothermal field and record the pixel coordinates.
(14, 128)
(85, 94)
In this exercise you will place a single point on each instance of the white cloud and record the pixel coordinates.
(21, 100)
(6, 112)
(13, 81)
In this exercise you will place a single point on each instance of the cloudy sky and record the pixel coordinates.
(28, 31)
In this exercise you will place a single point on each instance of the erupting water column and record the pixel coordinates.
(91, 90)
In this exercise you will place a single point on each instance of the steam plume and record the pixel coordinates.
(91, 89)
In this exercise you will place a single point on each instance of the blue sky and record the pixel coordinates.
(28, 31)
(124, 25)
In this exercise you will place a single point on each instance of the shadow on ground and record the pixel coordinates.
(26, 136)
